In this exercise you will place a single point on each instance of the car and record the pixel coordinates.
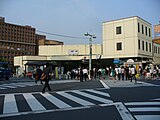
(5, 71)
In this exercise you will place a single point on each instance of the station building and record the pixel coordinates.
(128, 40)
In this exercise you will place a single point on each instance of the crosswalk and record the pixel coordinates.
(16, 85)
(145, 110)
(23, 103)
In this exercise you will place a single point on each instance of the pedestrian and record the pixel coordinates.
(81, 74)
(116, 70)
(119, 73)
(85, 74)
(47, 71)
(154, 73)
(140, 71)
(38, 75)
(127, 72)
(122, 72)
(133, 73)
(103, 74)
(159, 71)
(68, 75)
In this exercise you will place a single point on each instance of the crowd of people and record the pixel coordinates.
(113, 72)
(116, 73)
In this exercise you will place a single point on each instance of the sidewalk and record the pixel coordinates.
(117, 83)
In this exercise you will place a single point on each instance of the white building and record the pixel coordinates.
(127, 38)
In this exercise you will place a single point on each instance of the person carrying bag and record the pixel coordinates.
(46, 76)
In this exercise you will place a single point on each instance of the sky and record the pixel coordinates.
(76, 17)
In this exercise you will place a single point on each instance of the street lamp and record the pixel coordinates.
(90, 51)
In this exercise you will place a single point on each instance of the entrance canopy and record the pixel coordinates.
(156, 41)
(38, 63)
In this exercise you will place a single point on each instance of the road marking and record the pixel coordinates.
(33, 102)
(144, 109)
(125, 114)
(98, 92)
(156, 99)
(38, 107)
(147, 117)
(94, 97)
(76, 99)
(10, 105)
(104, 84)
(56, 101)
(142, 103)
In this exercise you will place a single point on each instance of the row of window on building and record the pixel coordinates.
(148, 47)
(142, 45)
(145, 30)
(16, 46)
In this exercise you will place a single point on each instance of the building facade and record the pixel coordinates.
(157, 31)
(16, 40)
(128, 38)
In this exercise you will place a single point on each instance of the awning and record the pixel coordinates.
(156, 41)
(38, 63)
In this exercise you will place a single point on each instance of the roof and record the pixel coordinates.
(156, 41)
(127, 18)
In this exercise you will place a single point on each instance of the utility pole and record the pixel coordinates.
(90, 51)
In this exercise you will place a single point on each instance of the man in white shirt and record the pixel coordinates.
(85, 74)
(133, 73)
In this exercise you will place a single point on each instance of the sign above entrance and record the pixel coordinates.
(73, 52)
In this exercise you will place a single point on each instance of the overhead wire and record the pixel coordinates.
(60, 35)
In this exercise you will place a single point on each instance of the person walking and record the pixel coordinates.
(47, 71)
(38, 75)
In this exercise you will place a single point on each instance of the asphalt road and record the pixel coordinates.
(121, 100)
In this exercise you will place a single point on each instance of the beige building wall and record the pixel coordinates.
(128, 38)
(70, 50)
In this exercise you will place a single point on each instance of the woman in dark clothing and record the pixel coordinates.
(47, 71)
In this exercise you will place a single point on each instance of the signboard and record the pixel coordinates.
(116, 61)
(73, 52)
(157, 34)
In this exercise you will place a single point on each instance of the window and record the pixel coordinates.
(139, 44)
(142, 30)
(142, 45)
(149, 32)
(138, 27)
(118, 30)
(155, 49)
(146, 46)
(150, 47)
(119, 46)
(146, 31)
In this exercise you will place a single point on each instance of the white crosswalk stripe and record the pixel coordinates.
(56, 101)
(16, 85)
(76, 99)
(33, 103)
(145, 110)
(14, 103)
(9, 104)
(94, 97)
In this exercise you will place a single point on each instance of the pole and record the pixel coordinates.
(90, 57)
